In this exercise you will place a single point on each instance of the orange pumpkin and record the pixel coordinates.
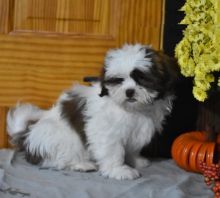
(190, 148)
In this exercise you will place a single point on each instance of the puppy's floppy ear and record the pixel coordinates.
(171, 68)
(167, 69)
(104, 91)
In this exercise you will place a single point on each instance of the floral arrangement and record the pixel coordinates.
(198, 53)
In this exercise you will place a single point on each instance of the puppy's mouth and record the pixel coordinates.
(131, 100)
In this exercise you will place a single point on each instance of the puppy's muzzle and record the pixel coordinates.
(130, 95)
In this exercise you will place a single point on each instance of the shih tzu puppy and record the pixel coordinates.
(104, 125)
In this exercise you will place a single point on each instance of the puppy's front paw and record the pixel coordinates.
(83, 167)
(137, 161)
(140, 162)
(121, 173)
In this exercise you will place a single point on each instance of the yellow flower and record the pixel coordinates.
(210, 78)
(216, 67)
(199, 73)
(205, 82)
(216, 4)
(198, 53)
(216, 35)
(199, 94)
(185, 21)
(202, 84)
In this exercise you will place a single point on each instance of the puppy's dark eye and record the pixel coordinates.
(147, 80)
(141, 78)
(113, 81)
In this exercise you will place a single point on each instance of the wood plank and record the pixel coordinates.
(4, 16)
(84, 18)
(140, 22)
(37, 70)
(3, 134)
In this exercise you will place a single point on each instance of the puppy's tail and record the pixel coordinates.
(20, 117)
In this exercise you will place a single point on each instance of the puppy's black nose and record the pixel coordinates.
(129, 93)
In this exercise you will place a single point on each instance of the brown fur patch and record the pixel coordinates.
(72, 111)
(162, 76)
(166, 70)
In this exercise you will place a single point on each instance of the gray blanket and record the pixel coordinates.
(163, 179)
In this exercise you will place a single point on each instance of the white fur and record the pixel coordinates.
(116, 130)
(115, 134)
(121, 61)
(53, 138)
(17, 119)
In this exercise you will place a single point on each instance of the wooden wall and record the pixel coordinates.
(46, 45)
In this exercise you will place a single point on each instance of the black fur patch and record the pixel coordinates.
(161, 76)
(146, 79)
(33, 158)
(113, 81)
(104, 90)
(19, 141)
(90, 79)
(72, 110)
